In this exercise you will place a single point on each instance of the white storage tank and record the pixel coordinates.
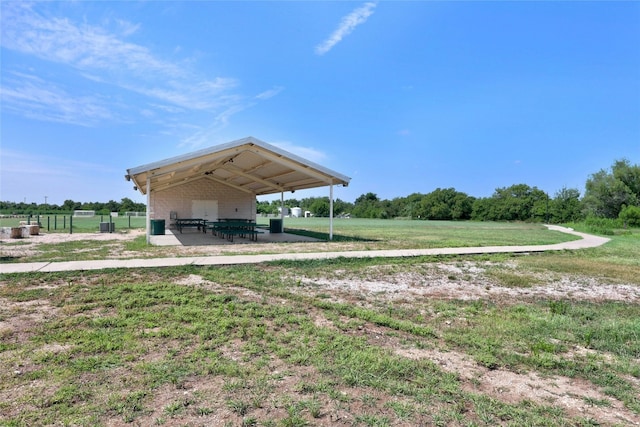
(296, 212)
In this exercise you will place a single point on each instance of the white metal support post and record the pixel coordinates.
(331, 212)
(148, 209)
(282, 211)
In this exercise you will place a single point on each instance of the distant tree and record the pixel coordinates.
(630, 216)
(445, 204)
(629, 174)
(606, 192)
(292, 203)
(265, 208)
(320, 207)
(368, 206)
(127, 205)
(408, 206)
(519, 202)
(69, 205)
(566, 206)
(462, 206)
(305, 204)
(367, 198)
(481, 209)
(341, 207)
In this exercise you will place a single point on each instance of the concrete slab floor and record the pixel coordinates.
(192, 237)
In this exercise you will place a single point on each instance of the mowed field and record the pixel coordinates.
(348, 234)
(549, 339)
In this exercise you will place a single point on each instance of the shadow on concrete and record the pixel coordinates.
(192, 237)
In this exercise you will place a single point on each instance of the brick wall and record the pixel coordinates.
(232, 203)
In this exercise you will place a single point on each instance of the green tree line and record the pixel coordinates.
(612, 193)
(125, 205)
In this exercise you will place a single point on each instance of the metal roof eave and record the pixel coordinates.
(323, 176)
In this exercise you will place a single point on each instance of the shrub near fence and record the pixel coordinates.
(71, 224)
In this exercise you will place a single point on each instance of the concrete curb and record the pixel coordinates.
(587, 241)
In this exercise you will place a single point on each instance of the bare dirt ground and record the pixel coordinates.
(436, 281)
(30, 246)
(467, 280)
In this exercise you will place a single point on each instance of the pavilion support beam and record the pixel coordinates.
(236, 170)
(331, 212)
(292, 164)
(223, 182)
(148, 209)
(282, 210)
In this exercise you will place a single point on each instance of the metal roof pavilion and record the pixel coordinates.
(247, 164)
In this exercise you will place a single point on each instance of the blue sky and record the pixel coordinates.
(403, 97)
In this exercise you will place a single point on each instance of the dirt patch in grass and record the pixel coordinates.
(28, 249)
(461, 281)
(577, 397)
(470, 281)
(209, 400)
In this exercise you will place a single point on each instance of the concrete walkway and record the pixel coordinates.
(587, 241)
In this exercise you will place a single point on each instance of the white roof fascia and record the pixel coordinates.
(263, 148)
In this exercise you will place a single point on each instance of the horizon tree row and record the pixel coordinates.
(612, 193)
(68, 206)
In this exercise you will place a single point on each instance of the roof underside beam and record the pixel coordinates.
(238, 171)
(291, 164)
(238, 187)
(250, 167)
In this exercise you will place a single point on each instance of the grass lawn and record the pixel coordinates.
(428, 234)
(540, 340)
(62, 223)
(351, 234)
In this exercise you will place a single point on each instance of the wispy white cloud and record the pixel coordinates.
(347, 25)
(83, 46)
(308, 153)
(269, 93)
(31, 163)
(30, 176)
(38, 99)
(207, 134)
(103, 56)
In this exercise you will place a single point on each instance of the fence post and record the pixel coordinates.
(70, 224)
(48, 218)
(129, 221)
(64, 222)
(110, 224)
(28, 219)
(55, 222)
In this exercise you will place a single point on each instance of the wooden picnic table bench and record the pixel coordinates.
(230, 228)
(198, 223)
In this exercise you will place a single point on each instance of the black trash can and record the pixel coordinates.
(157, 227)
(107, 227)
(275, 225)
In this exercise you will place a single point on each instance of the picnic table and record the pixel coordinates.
(198, 223)
(234, 227)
